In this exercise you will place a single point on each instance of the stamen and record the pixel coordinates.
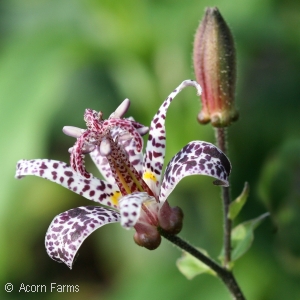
(142, 130)
(72, 131)
(121, 109)
(105, 147)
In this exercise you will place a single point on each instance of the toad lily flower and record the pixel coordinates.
(133, 189)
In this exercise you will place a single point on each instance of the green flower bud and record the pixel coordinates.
(215, 69)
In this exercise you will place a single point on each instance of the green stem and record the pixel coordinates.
(224, 274)
(222, 144)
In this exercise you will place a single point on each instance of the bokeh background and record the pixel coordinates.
(59, 57)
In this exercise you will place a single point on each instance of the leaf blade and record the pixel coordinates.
(236, 206)
(243, 235)
(190, 266)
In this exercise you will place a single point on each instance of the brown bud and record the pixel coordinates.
(147, 236)
(170, 218)
(215, 69)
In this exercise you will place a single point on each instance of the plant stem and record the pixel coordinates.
(225, 275)
(222, 144)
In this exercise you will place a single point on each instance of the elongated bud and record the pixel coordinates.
(215, 69)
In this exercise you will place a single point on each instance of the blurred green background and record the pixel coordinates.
(59, 57)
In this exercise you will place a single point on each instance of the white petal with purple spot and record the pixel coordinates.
(59, 172)
(156, 145)
(69, 229)
(196, 158)
(130, 207)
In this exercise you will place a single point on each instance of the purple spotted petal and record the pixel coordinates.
(130, 207)
(59, 172)
(69, 229)
(155, 149)
(196, 158)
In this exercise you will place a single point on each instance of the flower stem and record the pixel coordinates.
(222, 144)
(224, 274)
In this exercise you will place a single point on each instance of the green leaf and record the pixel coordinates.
(190, 266)
(242, 236)
(237, 205)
